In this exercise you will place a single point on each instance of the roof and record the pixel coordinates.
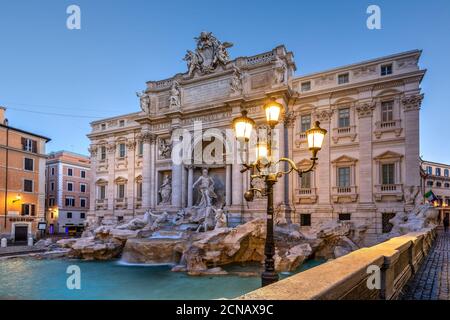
(25, 132)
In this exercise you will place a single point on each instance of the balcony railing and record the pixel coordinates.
(120, 202)
(393, 190)
(344, 132)
(306, 195)
(101, 203)
(388, 126)
(300, 139)
(344, 194)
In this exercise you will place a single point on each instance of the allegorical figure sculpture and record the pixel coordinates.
(165, 190)
(236, 81)
(144, 101)
(165, 149)
(175, 96)
(206, 188)
(280, 71)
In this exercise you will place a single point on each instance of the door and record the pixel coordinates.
(21, 233)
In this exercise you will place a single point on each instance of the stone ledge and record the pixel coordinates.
(346, 277)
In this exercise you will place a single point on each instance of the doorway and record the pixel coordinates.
(20, 233)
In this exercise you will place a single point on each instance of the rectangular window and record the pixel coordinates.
(102, 192)
(69, 186)
(28, 185)
(141, 148)
(82, 215)
(122, 150)
(82, 187)
(139, 189)
(388, 174)
(386, 69)
(69, 215)
(121, 123)
(446, 173)
(83, 174)
(305, 219)
(83, 202)
(53, 171)
(51, 202)
(70, 172)
(344, 118)
(28, 209)
(344, 177)
(70, 202)
(52, 186)
(305, 123)
(103, 126)
(306, 86)
(121, 191)
(305, 181)
(438, 172)
(387, 111)
(345, 217)
(29, 164)
(29, 145)
(429, 170)
(103, 153)
(343, 78)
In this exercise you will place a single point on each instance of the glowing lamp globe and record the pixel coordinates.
(273, 112)
(243, 127)
(315, 137)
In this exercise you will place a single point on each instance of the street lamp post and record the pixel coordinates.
(265, 168)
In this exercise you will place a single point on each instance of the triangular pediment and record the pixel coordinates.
(101, 182)
(389, 155)
(120, 180)
(344, 158)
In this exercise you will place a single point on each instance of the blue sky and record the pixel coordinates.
(94, 72)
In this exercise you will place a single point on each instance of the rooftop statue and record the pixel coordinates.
(209, 53)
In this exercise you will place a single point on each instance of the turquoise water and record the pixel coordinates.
(26, 278)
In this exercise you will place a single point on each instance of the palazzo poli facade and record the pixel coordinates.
(368, 168)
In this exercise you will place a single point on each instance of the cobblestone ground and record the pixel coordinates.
(432, 281)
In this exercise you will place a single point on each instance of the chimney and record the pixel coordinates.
(2, 115)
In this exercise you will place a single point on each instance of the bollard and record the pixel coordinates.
(4, 243)
(30, 241)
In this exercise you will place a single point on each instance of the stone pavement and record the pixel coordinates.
(432, 281)
(19, 250)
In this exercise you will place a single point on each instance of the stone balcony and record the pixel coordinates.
(300, 139)
(344, 194)
(138, 203)
(388, 126)
(120, 203)
(305, 195)
(389, 191)
(101, 204)
(343, 133)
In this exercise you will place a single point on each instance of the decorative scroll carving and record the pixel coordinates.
(111, 147)
(131, 145)
(412, 103)
(365, 109)
(323, 115)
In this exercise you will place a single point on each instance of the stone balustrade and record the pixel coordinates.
(347, 277)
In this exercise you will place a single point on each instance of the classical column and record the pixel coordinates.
(153, 179)
(279, 188)
(190, 182)
(411, 107)
(323, 168)
(365, 185)
(111, 149)
(228, 185)
(184, 186)
(147, 138)
(237, 183)
(131, 184)
(176, 184)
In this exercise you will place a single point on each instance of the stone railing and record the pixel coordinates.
(395, 190)
(351, 277)
(388, 126)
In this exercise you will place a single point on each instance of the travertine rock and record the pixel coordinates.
(153, 251)
(292, 258)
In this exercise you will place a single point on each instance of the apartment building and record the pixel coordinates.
(67, 197)
(22, 181)
(437, 179)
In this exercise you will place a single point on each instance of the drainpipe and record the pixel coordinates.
(6, 176)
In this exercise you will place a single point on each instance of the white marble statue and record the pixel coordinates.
(175, 96)
(165, 149)
(144, 101)
(193, 62)
(159, 219)
(206, 188)
(220, 219)
(280, 71)
(236, 81)
(137, 223)
(165, 190)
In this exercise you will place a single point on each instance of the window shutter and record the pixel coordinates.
(24, 143)
(34, 146)
(33, 209)
(23, 209)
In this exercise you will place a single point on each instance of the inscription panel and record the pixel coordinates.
(260, 80)
(207, 92)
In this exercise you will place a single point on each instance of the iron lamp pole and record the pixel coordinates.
(265, 168)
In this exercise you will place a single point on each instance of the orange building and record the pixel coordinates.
(22, 181)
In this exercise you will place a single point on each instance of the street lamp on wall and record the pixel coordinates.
(18, 198)
(264, 168)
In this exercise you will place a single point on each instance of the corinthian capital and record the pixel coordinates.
(413, 102)
(289, 119)
(365, 109)
(148, 137)
(93, 150)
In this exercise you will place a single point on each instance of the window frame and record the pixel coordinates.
(347, 118)
(345, 76)
(389, 66)
(25, 164)
(32, 185)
